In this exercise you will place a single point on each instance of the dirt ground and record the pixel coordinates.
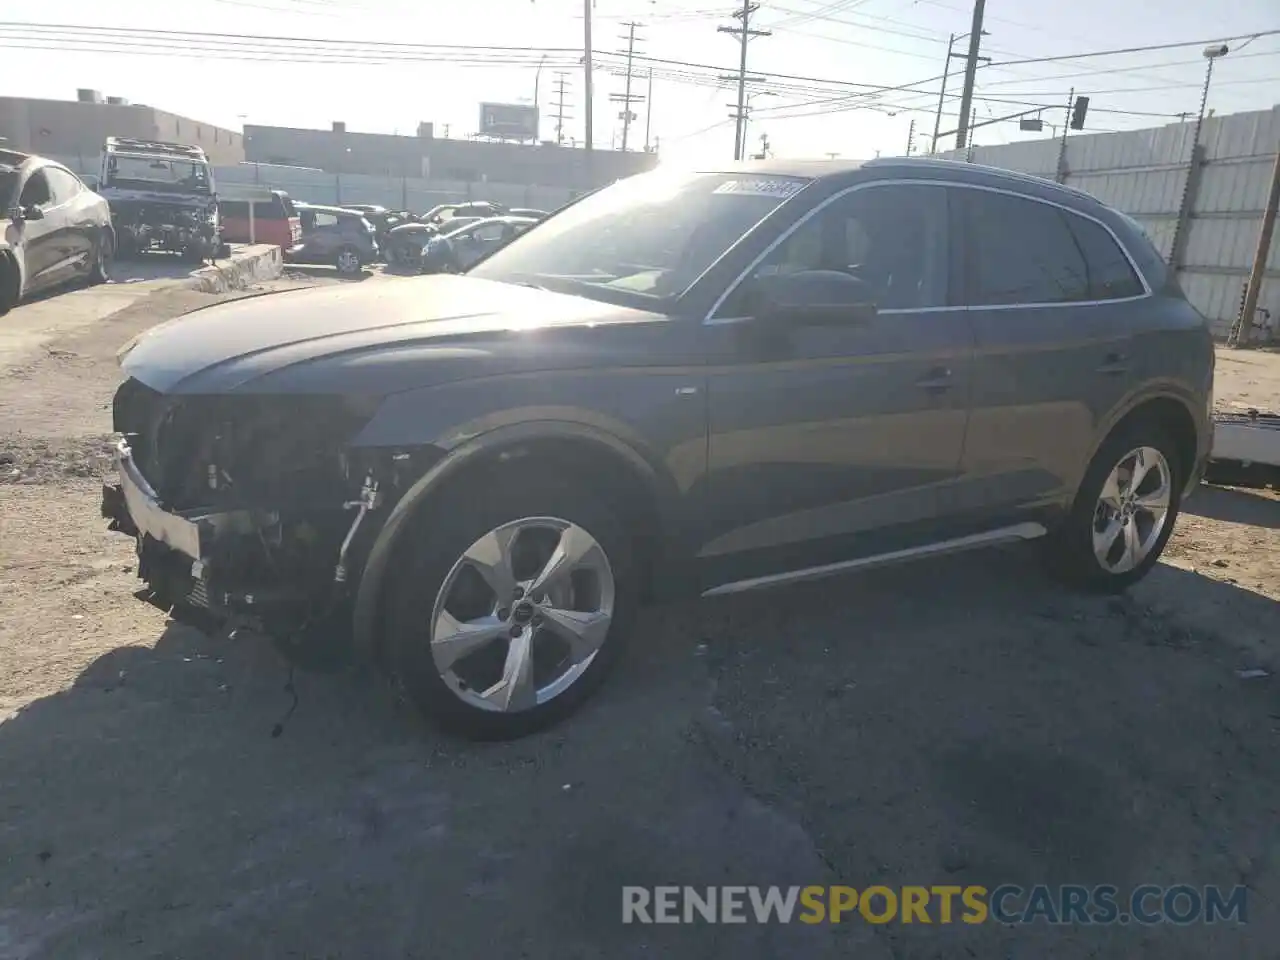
(963, 721)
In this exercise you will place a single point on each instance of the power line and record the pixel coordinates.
(1127, 50)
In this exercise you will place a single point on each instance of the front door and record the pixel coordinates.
(43, 240)
(835, 441)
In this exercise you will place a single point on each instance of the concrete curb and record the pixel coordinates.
(246, 266)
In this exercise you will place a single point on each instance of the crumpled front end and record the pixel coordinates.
(249, 509)
(158, 223)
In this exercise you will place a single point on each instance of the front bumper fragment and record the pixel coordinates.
(144, 514)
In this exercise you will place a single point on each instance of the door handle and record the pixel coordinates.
(1114, 365)
(936, 380)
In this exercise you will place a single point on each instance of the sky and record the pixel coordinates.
(821, 68)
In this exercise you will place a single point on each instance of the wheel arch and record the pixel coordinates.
(1174, 412)
(643, 495)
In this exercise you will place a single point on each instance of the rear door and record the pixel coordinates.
(829, 442)
(1050, 295)
(73, 203)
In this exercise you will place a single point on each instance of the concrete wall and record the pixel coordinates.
(1203, 210)
(476, 161)
(376, 154)
(70, 128)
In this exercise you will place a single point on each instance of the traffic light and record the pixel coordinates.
(1078, 110)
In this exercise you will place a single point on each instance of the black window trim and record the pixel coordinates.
(712, 320)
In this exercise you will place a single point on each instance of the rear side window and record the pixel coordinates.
(64, 185)
(1021, 251)
(234, 208)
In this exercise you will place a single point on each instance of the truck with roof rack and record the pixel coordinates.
(162, 197)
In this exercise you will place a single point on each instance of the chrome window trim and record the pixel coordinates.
(712, 320)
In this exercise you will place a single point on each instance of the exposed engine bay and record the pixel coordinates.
(145, 221)
(249, 510)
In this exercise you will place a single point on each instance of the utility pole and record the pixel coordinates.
(586, 79)
(648, 111)
(1244, 323)
(744, 33)
(626, 99)
(561, 84)
(970, 68)
(911, 136)
(942, 94)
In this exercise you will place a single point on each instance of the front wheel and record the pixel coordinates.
(103, 253)
(1123, 514)
(348, 262)
(510, 606)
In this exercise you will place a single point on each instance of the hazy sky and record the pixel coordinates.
(827, 42)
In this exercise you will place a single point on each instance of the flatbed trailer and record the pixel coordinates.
(1246, 449)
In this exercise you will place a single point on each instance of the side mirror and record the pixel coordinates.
(812, 298)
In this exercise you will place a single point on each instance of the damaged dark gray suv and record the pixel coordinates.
(697, 382)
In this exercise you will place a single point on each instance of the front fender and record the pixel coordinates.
(464, 447)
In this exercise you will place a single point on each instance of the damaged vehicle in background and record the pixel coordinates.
(162, 197)
(453, 250)
(699, 383)
(52, 228)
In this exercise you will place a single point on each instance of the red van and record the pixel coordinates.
(275, 222)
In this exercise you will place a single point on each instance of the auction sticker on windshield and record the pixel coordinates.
(779, 187)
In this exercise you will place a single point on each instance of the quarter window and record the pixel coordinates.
(891, 237)
(1111, 275)
(1021, 251)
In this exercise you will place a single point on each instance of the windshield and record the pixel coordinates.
(652, 235)
(8, 190)
(160, 171)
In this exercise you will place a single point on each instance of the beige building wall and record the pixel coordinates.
(69, 128)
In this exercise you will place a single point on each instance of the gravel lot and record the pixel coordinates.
(958, 722)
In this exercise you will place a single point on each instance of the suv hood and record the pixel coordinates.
(381, 336)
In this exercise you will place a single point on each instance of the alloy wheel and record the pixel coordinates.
(348, 261)
(1132, 510)
(522, 614)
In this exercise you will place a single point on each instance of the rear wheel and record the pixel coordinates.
(1124, 511)
(511, 608)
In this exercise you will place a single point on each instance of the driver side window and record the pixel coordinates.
(35, 192)
(891, 237)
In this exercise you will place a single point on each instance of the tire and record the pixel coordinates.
(348, 261)
(103, 253)
(9, 285)
(1070, 551)
(194, 252)
(434, 558)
